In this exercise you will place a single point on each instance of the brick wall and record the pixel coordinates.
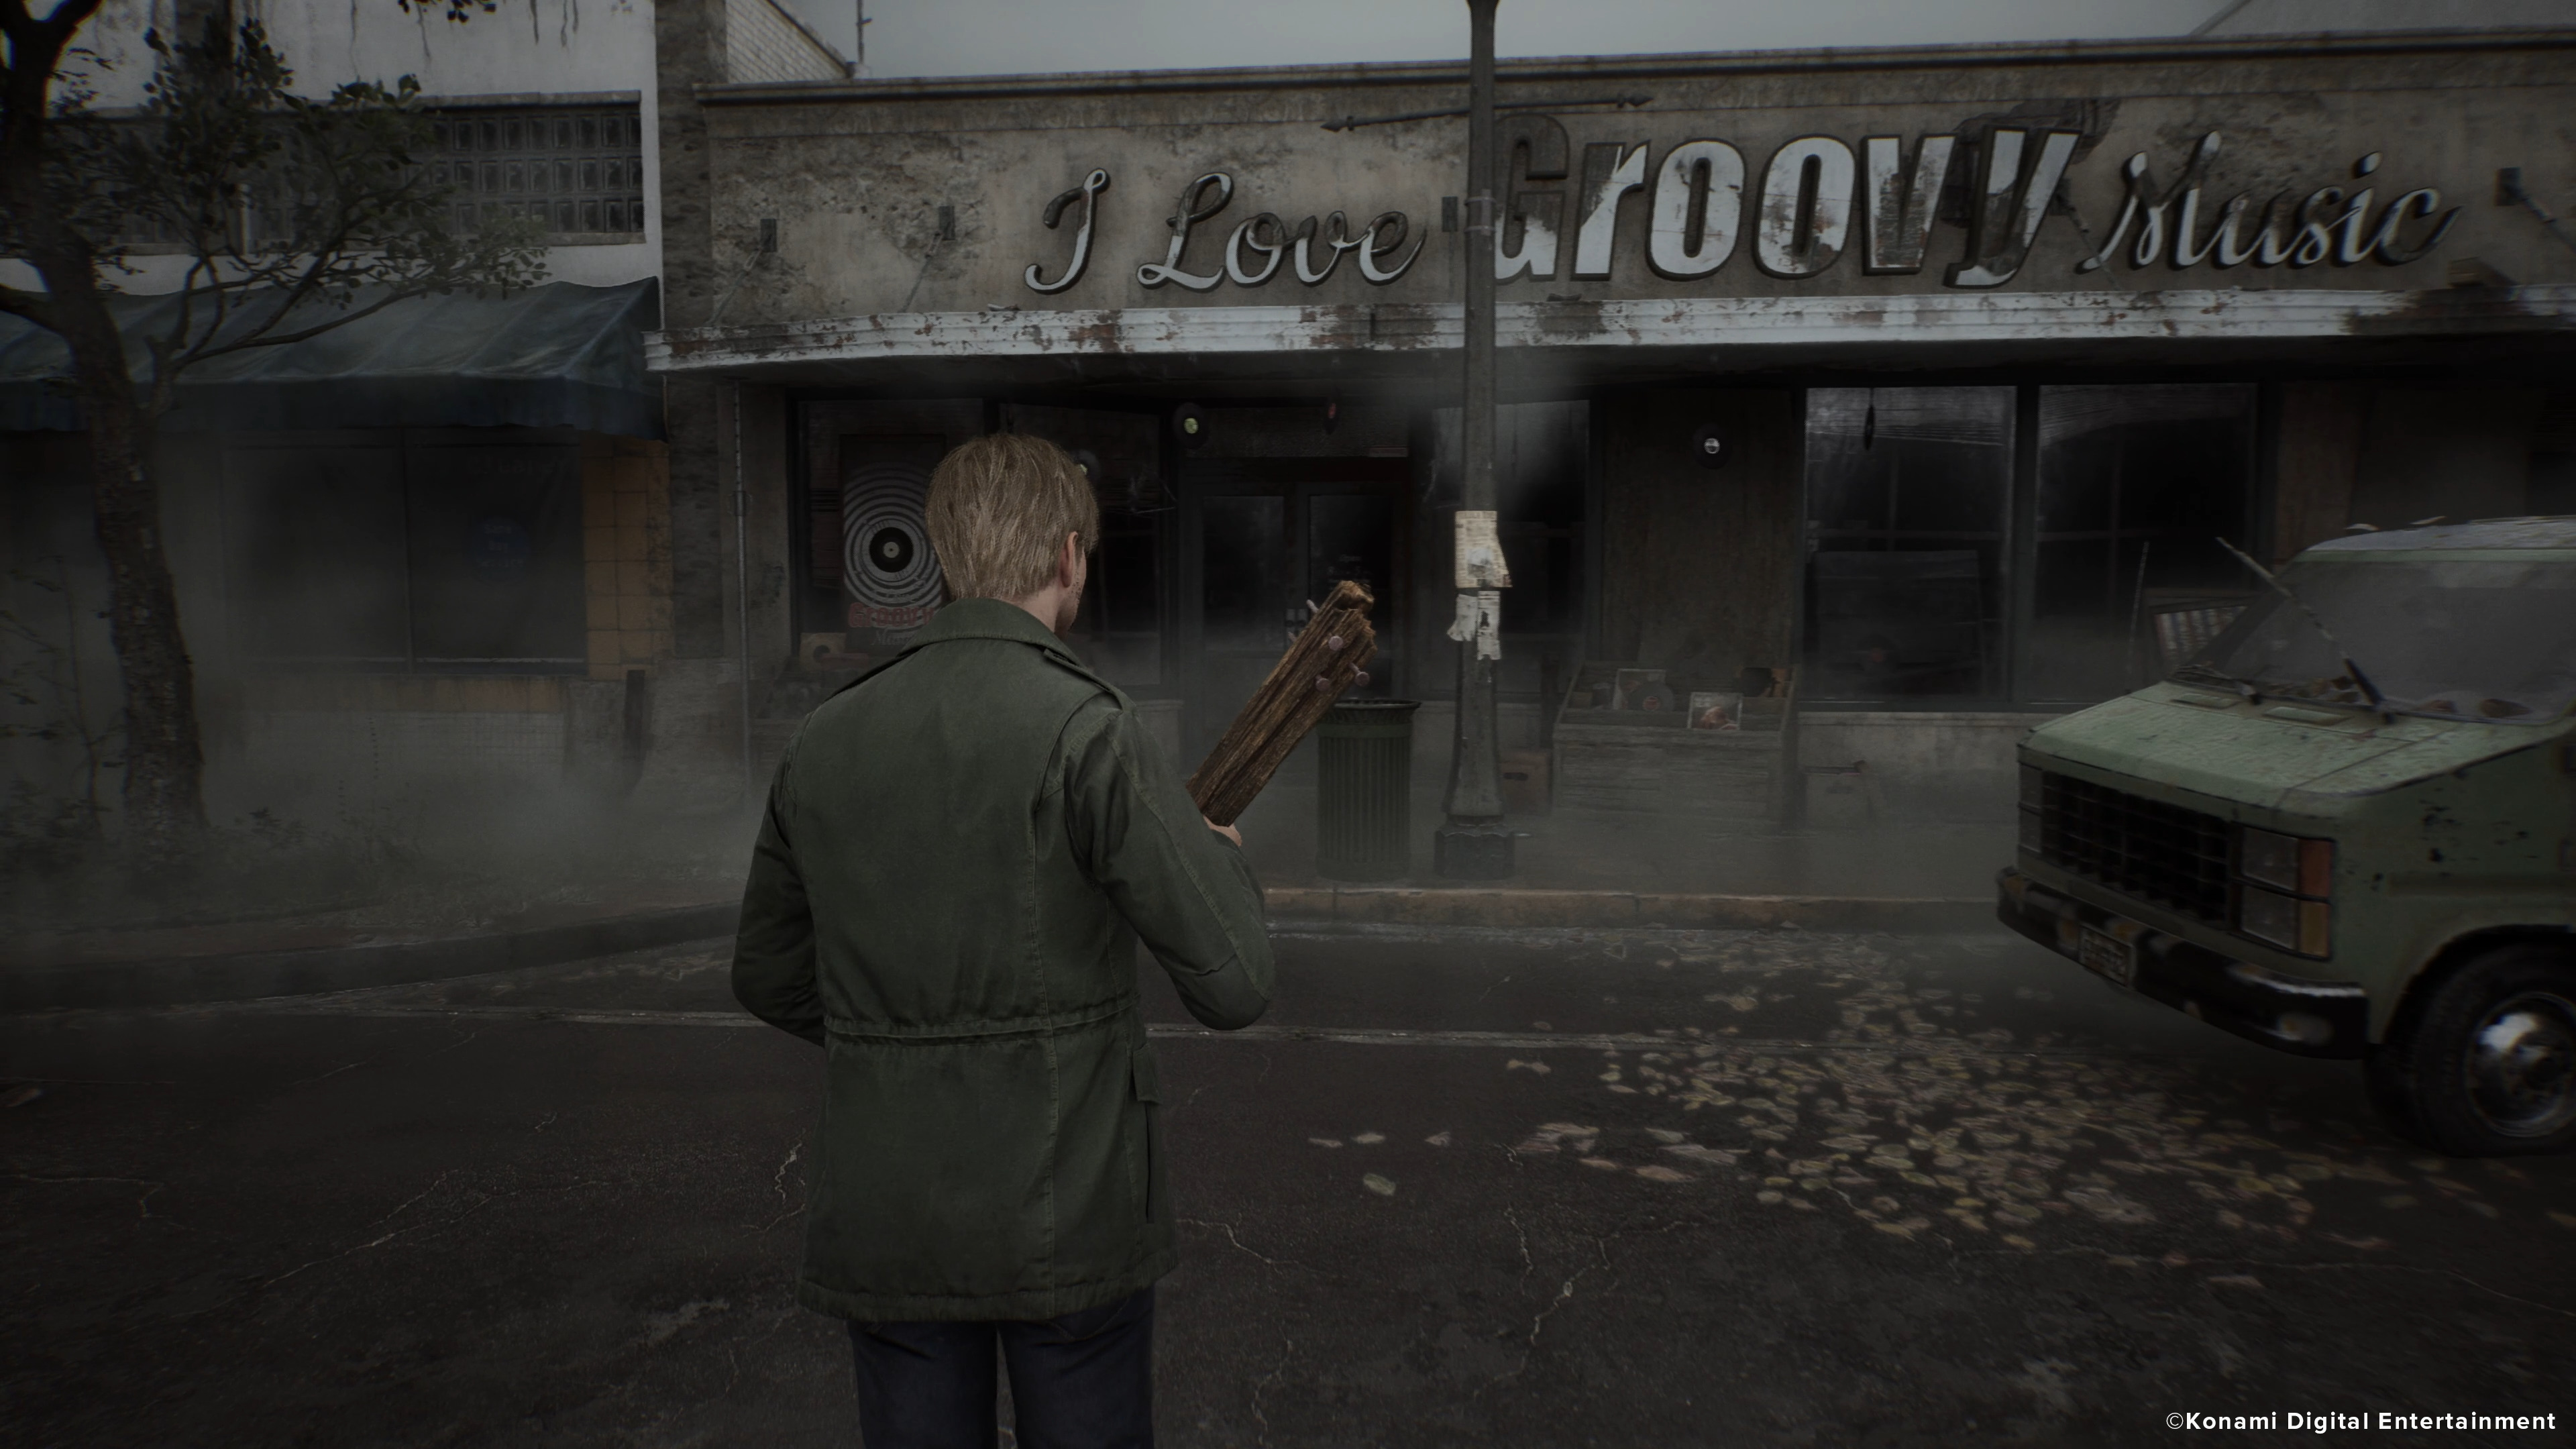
(765, 43)
(626, 553)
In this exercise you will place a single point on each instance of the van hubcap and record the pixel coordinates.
(2522, 1065)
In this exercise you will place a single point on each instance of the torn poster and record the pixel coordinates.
(1480, 617)
(1480, 562)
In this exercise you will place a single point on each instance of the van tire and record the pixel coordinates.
(2485, 1064)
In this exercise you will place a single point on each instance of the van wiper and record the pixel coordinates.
(2210, 673)
(2369, 690)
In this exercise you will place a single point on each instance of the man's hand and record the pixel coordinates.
(1228, 831)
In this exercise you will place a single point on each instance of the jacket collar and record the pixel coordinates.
(990, 619)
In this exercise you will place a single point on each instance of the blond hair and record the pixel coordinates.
(999, 509)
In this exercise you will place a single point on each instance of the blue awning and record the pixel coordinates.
(559, 355)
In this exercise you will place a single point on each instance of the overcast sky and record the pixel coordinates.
(986, 37)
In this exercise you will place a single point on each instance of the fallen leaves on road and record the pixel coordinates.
(1557, 1136)
(1915, 1125)
(1382, 1186)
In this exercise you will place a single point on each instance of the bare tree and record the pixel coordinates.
(293, 215)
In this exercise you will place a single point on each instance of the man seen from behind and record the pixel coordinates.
(960, 854)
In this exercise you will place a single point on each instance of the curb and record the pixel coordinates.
(1509, 907)
(247, 975)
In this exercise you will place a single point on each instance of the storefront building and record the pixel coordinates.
(1999, 350)
(423, 560)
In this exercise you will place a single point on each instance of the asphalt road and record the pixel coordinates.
(1541, 1188)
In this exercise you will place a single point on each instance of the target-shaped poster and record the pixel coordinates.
(887, 567)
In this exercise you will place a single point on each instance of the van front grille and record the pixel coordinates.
(2173, 857)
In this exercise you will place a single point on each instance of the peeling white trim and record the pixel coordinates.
(1936, 320)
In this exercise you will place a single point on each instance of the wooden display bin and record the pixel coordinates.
(1650, 762)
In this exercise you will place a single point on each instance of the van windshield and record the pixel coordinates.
(2486, 639)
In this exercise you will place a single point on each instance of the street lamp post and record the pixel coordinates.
(1473, 843)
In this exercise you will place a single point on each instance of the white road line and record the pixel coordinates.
(1174, 1031)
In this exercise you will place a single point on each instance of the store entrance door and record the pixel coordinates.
(1266, 539)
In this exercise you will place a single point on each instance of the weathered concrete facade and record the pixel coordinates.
(856, 178)
(2069, 278)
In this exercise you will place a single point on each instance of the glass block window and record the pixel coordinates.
(578, 171)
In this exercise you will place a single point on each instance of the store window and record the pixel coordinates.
(1243, 589)
(1923, 589)
(315, 558)
(1909, 500)
(1539, 467)
(2136, 486)
(406, 556)
(1121, 626)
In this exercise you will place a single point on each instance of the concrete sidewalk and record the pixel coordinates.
(239, 961)
(1602, 872)
(1631, 870)
(1612, 870)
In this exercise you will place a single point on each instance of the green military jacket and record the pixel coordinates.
(960, 854)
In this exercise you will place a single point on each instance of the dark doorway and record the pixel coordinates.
(1263, 540)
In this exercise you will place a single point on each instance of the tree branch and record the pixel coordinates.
(36, 307)
(394, 293)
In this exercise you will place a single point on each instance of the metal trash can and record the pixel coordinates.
(1364, 790)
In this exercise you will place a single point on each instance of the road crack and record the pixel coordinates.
(1260, 1386)
(778, 1184)
(1228, 1230)
(1564, 1294)
(142, 1204)
(326, 1076)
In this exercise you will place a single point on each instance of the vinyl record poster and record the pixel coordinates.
(887, 567)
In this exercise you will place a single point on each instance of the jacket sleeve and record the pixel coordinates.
(1186, 889)
(773, 948)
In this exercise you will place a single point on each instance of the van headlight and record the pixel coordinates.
(2285, 891)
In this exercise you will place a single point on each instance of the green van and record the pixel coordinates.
(2347, 828)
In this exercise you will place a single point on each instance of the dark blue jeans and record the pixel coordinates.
(1083, 1381)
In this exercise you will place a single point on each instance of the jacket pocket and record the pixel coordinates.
(1146, 1162)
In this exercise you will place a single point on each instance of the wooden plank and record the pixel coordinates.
(1329, 656)
(1656, 770)
(1700, 571)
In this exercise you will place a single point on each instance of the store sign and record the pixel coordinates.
(2331, 225)
(1812, 201)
